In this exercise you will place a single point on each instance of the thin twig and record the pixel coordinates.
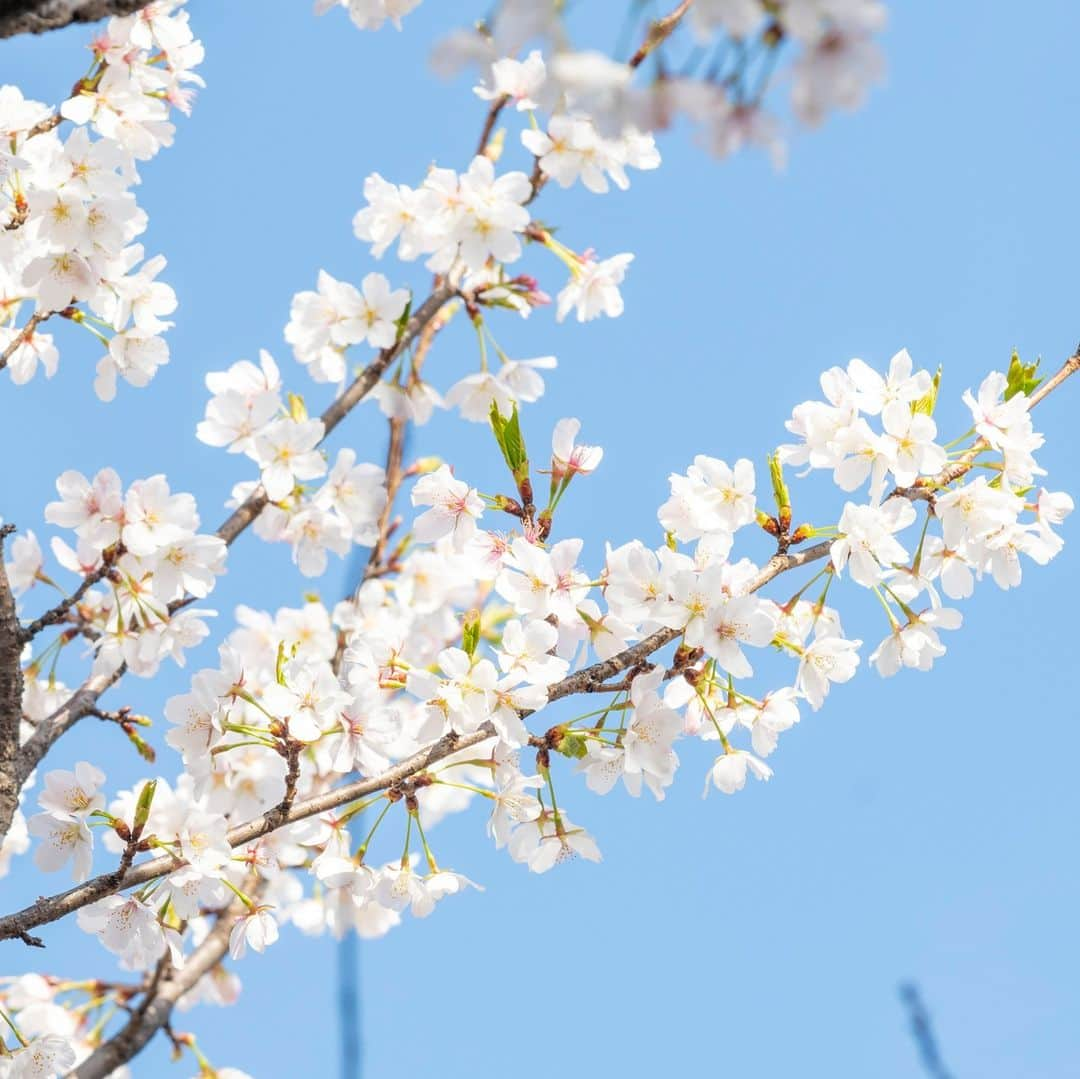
(59, 613)
(659, 32)
(22, 336)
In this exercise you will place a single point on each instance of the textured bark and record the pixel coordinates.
(155, 1011)
(38, 16)
(11, 689)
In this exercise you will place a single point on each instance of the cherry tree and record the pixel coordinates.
(314, 760)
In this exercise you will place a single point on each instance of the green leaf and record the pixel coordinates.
(572, 745)
(507, 432)
(142, 807)
(470, 633)
(1021, 377)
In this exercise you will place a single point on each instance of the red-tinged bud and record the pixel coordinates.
(768, 523)
(121, 829)
(803, 532)
(509, 505)
(684, 656)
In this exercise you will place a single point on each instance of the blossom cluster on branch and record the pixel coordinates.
(326, 743)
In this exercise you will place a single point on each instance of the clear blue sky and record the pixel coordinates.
(922, 828)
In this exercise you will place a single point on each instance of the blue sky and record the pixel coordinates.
(920, 828)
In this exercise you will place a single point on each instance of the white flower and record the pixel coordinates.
(594, 289)
(867, 543)
(455, 508)
(94, 510)
(286, 452)
(916, 643)
(74, 794)
(62, 838)
(728, 773)
(256, 929)
(45, 1057)
(735, 621)
(710, 498)
(518, 80)
(569, 459)
(133, 355)
(562, 844)
(526, 650)
(400, 887)
(31, 350)
(127, 927)
(25, 564)
(827, 659)
(513, 806)
(372, 315)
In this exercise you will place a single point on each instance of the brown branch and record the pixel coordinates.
(81, 703)
(924, 488)
(59, 613)
(49, 909)
(84, 700)
(497, 106)
(163, 992)
(40, 16)
(364, 383)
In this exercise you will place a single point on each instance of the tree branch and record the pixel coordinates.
(155, 1010)
(23, 335)
(39, 16)
(659, 32)
(49, 909)
(57, 614)
(85, 699)
(11, 693)
(364, 383)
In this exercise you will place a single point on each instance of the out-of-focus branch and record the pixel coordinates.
(659, 32)
(39, 16)
(923, 1032)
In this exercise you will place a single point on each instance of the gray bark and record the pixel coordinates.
(38, 16)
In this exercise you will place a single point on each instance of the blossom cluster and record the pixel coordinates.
(70, 221)
(455, 670)
(246, 414)
(477, 632)
(144, 545)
